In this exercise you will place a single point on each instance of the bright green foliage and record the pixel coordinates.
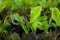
(56, 15)
(38, 21)
(43, 24)
(2, 5)
(14, 4)
(42, 19)
(35, 13)
(47, 3)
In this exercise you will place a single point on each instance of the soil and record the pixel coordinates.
(55, 35)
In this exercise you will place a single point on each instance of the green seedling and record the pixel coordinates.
(36, 21)
(56, 16)
(4, 25)
(33, 20)
(35, 14)
(20, 20)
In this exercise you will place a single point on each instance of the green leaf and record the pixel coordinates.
(40, 26)
(43, 26)
(2, 5)
(34, 25)
(20, 20)
(6, 24)
(1, 28)
(35, 13)
(43, 18)
(56, 15)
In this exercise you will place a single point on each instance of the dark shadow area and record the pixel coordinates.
(1, 38)
(58, 6)
(58, 37)
(39, 31)
(51, 29)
